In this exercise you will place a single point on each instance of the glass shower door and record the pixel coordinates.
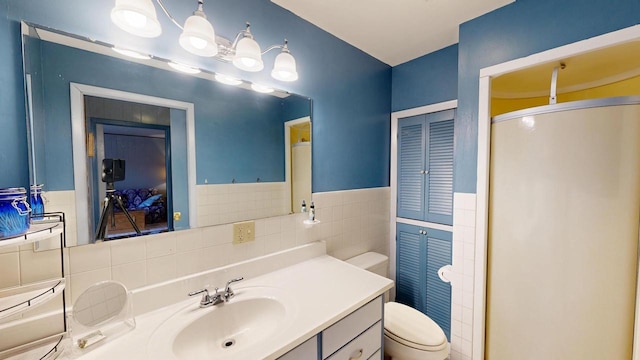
(563, 235)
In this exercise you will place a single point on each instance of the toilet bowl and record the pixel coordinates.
(408, 333)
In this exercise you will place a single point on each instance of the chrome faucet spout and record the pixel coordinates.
(219, 296)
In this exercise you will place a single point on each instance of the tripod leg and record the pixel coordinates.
(107, 209)
(126, 213)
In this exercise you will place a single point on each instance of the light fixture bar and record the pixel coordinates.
(166, 12)
(199, 38)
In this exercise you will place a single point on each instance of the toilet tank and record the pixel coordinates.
(372, 261)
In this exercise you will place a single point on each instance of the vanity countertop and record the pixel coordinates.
(324, 289)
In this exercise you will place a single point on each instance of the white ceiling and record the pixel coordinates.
(393, 31)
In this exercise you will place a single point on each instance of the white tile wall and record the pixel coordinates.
(351, 222)
(226, 203)
(464, 215)
(62, 201)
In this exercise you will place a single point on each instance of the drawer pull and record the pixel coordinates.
(357, 356)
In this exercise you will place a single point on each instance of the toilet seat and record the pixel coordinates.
(412, 328)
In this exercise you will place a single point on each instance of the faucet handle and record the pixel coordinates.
(206, 299)
(193, 293)
(228, 293)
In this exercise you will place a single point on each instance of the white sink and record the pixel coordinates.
(236, 329)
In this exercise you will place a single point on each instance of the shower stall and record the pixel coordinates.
(564, 211)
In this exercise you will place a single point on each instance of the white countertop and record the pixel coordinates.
(324, 289)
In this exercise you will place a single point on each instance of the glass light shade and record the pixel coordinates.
(184, 68)
(248, 56)
(261, 88)
(228, 80)
(198, 36)
(137, 17)
(284, 68)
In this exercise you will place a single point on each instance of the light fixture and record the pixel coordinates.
(198, 37)
(261, 88)
(228, 80)
(248, 56)
(137, 17)
(131, 53)
(284, 67)
(184, 68)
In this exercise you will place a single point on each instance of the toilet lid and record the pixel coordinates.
(412, 328)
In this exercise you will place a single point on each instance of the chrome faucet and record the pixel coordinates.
(219, 296)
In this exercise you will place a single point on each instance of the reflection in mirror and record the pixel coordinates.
(102, 311)
(86, 103)
(100, 303)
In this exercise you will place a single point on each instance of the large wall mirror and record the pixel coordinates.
(196, 152)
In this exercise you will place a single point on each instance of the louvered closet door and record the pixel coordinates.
(411, 267)
(411, 167)
(425, 167)
(439, 162)
(420, 252)
(438, 292)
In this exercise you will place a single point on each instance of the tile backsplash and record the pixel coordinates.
(351, 222)
(226, 203)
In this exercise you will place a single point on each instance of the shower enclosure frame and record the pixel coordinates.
(482, 183)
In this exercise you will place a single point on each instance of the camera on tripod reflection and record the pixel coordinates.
(112, 170)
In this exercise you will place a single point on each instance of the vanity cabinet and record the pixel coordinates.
(26, 291)
(306, 350)
(358, 336)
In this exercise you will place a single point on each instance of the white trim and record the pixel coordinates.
(77, 93)
(393, 181)
(425, 224)
(287, 155)
(484, 132)
(482, 208)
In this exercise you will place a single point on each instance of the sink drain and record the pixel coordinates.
(228, 343)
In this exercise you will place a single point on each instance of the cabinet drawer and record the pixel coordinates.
(377, 355)
(340, 333)
(307, 350)
(362, 347)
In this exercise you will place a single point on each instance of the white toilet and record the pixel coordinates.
(408, 333)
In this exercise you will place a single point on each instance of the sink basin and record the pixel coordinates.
(236, 329)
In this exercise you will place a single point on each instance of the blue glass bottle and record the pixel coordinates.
(14, 212)
(36, 201)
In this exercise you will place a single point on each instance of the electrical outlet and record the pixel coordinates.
(244, 232)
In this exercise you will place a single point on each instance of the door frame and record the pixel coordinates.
(77, 93)
(393, 181)
(482, 185)
(287, 155)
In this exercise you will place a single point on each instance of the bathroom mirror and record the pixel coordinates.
(197, 152)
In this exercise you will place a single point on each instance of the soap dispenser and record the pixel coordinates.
(312, 212)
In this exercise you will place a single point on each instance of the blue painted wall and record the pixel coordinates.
(522, 28)
(351, 90)
(429, 79)
(239, 133)
(144, 156)
(14, 170)
(517, 30)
